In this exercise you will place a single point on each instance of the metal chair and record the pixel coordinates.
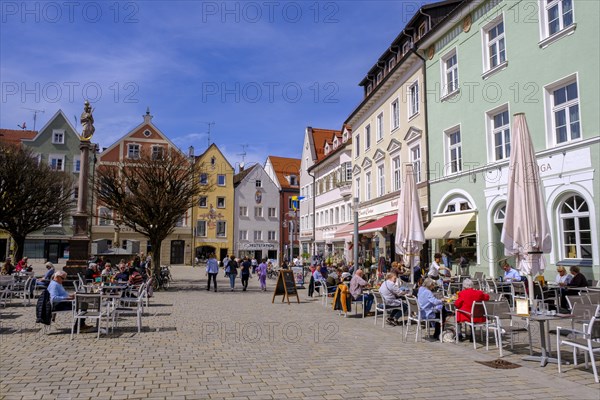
(89, 306)
(138, 309)
(414, 314)
(546, 296)
(477, 312)
(380, 306)
(499, 320)
(586, 339)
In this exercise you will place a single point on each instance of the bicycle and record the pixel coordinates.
(272, 273)
(163, 280)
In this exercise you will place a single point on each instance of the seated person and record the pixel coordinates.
(21, 265)
(392, 296)
(60, 299)
(431, 307)
(346, 276)
(357, 285)
(45, 281)
(107, 271)
(334, 279)
(578, 279)
(91, 273)
(123, 275)
(562, 278)
(510, 274)
(8, 268)
(466, 298)
(437, 268)
(136, 278)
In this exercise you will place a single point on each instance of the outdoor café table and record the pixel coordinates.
(543, 321)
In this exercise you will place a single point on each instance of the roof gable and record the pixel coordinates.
(285, 167)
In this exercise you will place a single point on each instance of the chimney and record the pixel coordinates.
(241, 166)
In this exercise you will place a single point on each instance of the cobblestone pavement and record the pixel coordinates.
(204, 345)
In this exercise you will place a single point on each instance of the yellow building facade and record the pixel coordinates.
(213, 210)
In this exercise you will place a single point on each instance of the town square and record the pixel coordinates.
(197, 201)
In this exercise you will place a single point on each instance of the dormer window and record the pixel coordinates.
(293, 179)
(369, 88)
(379, 77)
(336, 142)
(345, 137)
(406, 47)
(391, 63)
(326, 149)
(422, 29)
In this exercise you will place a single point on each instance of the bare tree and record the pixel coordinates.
(32, 196)
(150, 194)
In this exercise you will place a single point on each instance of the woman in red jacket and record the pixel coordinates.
(465, 301)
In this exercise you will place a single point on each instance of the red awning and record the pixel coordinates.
(377, 226)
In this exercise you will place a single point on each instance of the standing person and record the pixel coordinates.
(233, 266)
(245, 272)
(436, 267)
(254, 264)
(447, 253)
(212, 270)
(226, 262)
(262, 274)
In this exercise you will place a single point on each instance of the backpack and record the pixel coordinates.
(43, 309)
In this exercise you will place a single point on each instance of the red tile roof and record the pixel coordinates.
(16, 135)
(319, 138)
(283, 167)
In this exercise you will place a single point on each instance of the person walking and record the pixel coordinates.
(245, 271)
(254, 264)
(262, 274)
(233, 266)
(212, 270)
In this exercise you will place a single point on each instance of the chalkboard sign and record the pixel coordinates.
(286, 286)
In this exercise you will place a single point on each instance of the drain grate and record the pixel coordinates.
(499, 364)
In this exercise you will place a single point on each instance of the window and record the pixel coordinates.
(346, 172)
(391, 63)
(368, 186)
(77, 164)
(157, 152)
(413, 99)
(204, 179)
(357, 146)
(75, 194)
(395, 114)
(104, 216)
(454, 151)
(243, 211)
(257, 235)
(243, 235)
(56, 221)
(56, 162)
(415, 159)
(58, 136)
(500, 215)
(213, 162)
(220, 202)
(380, 180)
(272, 212)
(406, 46)
(576, 234)
(201, 228)
(449, 73)
(558, 15)
(458, 204)
(221, 180)
(422, 29)
(221, 228)
(357, 188)
(258, 183)
(271, 235)
(495, 49)
(147, 133)
(379, 77)
(500, 131)
(203, 201)
(396, 173)
(293, 180)
(342, 213)
(367, 137)
(133, 151)
(181, 221)
(379, 132)
(565, 113)
(369, 88)
(258, 212)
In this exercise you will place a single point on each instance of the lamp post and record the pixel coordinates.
(193, 246)
(355, 248)
(376, 240)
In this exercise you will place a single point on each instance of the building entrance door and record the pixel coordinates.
(177, 251)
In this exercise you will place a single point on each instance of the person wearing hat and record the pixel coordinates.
(60, 299)
(45, 281)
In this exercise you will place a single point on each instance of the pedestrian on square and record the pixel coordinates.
(233, 266)
(254, 264)
(245, 272)
(212, 270)
(262, 274)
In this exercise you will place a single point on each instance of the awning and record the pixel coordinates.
(449, 226)
(346, 231)
(377, 226)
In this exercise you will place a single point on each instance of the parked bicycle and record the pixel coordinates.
(163, 280)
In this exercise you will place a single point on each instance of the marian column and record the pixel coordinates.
(79, 244)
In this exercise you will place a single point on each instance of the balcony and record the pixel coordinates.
(345, 188)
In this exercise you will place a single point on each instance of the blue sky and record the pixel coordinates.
(262, 71)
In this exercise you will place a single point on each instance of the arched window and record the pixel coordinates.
(576, 234)
(500, 215)
(458, 204)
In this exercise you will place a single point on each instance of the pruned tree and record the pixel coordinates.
(32, 196)
(149, 194)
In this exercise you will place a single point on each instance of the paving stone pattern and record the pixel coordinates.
(205, 345)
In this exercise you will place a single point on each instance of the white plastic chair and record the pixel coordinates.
(89, 306)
